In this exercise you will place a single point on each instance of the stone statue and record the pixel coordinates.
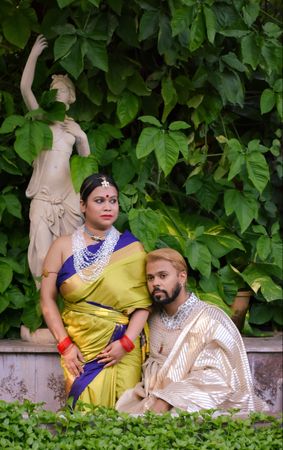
(55, 207)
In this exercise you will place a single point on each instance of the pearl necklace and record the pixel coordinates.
(84, 259)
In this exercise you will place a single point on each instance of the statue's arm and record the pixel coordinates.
(28, 73)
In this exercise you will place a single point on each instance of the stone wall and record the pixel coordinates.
(30, 371)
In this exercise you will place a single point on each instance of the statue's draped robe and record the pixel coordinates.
(97, 313)
(201, 365)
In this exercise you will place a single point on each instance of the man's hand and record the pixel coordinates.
(160, 406)
(112, 354)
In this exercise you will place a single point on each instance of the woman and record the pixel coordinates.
(101, 275)
(54, 208)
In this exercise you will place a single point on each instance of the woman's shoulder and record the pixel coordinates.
(62, 245)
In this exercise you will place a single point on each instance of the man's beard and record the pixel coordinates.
(167, 299)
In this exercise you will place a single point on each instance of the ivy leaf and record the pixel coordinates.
(115, 79)
(207, 195)
(199, 257)
(245, 207)
(166, 151)
(73, 61)
(137, 85)
(181, 141)
(10, 123)
(148, 24)
(169, 96)
(123, 171)
(146, 142)
(197, 34)
(97, 54)
(13, 205)
(145, 224)
(63, 3)
(165, 41)
(231, 60)
(127, 108)
(251, 12)
(82, 167)
(267, 101)
(229, 86)
(3, 243)
(151, 120)
(30, 139)
(278, 85)
(260, 313)
(279, 105)
(5, 279)
(178, 125)
(210, 23)
(236, 166)
(15, 297)
(263, 247)
(63, 45)
(95, 2)
(250, 50)
(220, 241)
(258, 171)
(2, 205)
(181, 20)
(257, 279)
(16, 28)
(31, 316)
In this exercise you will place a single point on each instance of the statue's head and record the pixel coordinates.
(65, 89)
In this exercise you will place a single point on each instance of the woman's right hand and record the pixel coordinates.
(39, 45)
(73, 360)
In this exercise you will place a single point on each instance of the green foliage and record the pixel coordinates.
(182, 102)
(28, 426)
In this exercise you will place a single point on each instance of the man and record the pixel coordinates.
(197, 357)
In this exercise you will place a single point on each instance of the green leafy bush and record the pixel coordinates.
(27, 426)
(182, 103)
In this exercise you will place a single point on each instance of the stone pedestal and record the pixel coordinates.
(30, 371)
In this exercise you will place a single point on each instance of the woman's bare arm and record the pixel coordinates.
(28, 73)
(48, 296)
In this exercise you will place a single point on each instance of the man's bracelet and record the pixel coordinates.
(63, 345)
(127, 343)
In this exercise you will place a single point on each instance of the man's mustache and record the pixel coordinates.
(158, 290)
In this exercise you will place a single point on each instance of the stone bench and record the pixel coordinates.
(29, 371)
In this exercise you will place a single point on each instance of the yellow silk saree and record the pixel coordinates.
(97, 312)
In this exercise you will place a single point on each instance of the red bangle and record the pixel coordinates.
(126, 343)
(63, 345)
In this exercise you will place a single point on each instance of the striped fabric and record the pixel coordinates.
(201, 365)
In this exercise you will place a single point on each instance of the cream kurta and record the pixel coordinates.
(202, 364)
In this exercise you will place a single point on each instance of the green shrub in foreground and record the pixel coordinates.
(28, 426)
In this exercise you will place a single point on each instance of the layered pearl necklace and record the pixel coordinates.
(90, 265)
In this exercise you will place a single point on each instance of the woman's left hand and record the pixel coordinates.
(112, 354)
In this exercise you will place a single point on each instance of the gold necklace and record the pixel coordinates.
(92, 236)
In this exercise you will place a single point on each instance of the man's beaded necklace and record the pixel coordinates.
(175, 321)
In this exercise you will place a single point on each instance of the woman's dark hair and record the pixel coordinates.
(93, 181)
